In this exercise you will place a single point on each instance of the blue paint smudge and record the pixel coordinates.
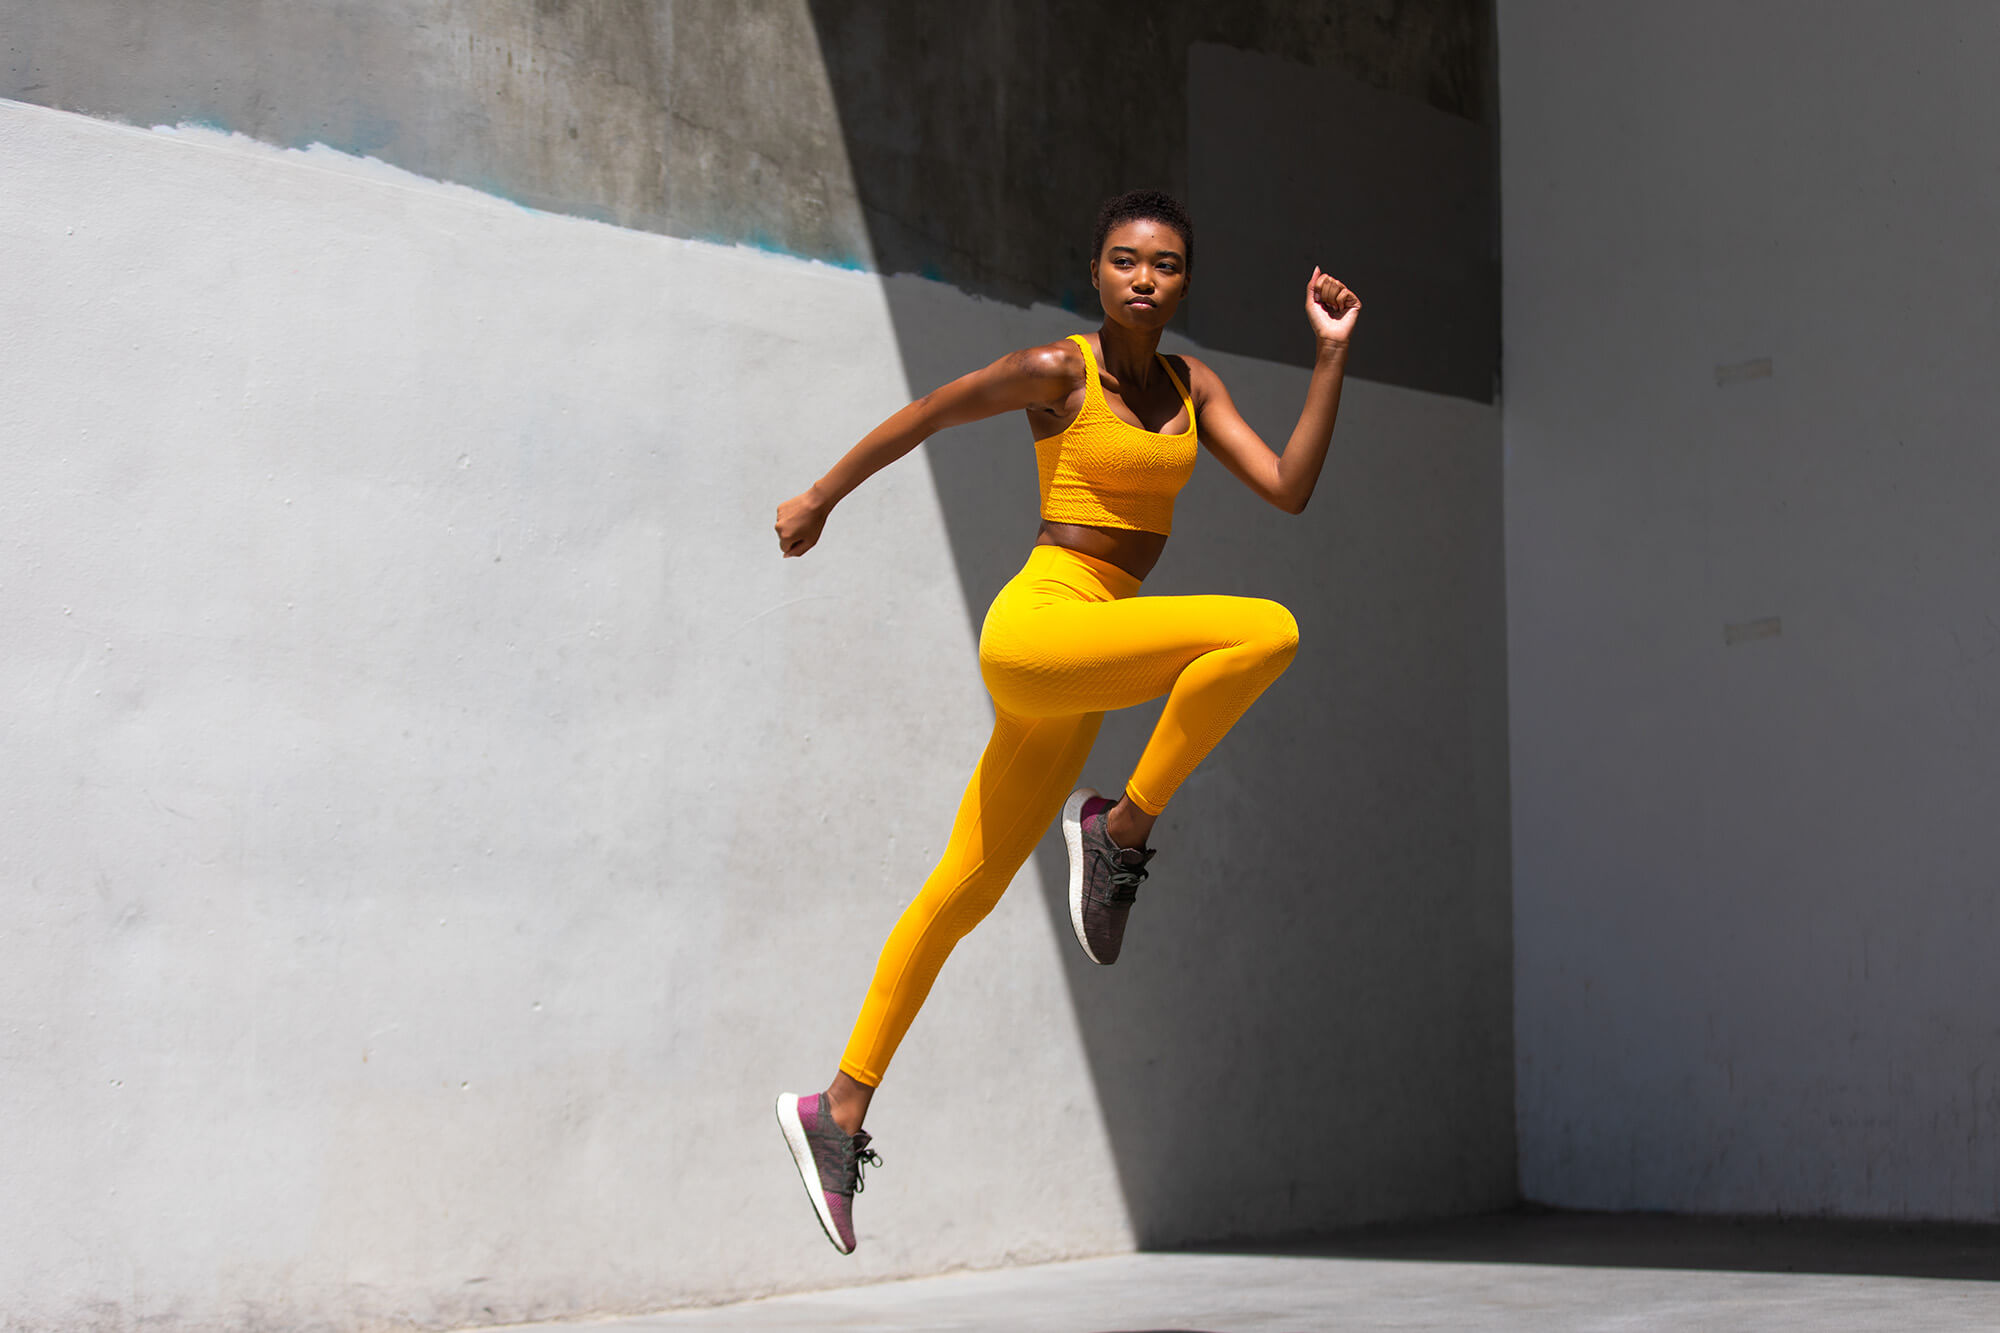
(370, 133)
(758, 239)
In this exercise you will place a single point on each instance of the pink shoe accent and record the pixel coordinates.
(842, 1209)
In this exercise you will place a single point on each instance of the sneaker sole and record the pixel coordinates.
(802, 1158)
(1072, 824)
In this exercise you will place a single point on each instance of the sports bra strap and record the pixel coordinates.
(1092, 387)
(1186, 397)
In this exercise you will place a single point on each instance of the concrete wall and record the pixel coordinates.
(442, 822)
(712, 120)
(1753, 310)
(436, 787)
(964, 143)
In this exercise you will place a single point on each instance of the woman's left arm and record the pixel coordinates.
(1286, 480)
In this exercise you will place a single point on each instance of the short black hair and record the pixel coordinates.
(1148, 206)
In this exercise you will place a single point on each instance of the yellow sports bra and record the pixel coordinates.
(1107, 473)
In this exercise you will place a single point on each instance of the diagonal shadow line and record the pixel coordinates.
(1311, 1024)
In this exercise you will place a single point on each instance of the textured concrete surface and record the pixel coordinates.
(712, 120)
(967, 143)
(717, 119)
(1750, 559)
(1493, 1275)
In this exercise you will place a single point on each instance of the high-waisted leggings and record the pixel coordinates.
(1064, 641)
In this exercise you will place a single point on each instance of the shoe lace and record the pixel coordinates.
(1125, 881)
(860, 1152)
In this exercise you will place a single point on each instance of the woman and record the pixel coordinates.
(1115, 427)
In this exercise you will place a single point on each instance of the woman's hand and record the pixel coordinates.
(799, 522)
(1332, 308)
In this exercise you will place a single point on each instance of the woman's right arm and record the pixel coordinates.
(1033, 377)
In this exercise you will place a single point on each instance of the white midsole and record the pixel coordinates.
(802, 1157)
(1072, 826)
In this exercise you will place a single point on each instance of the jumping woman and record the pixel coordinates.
(1115, 426)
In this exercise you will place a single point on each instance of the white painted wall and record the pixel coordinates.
(1755, 883)
(439, 823)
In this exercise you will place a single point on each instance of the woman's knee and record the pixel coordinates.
(1277, 632)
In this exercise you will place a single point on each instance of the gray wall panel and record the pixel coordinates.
(1753, 314)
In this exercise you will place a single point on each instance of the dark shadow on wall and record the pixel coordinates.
(982, 139)
(1311, 1023)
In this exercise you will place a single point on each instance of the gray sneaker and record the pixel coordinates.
(1103, 877)
(829, 1161)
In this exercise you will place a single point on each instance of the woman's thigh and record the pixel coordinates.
(1063, 657)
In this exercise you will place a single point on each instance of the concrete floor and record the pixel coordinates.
(1536, 1273)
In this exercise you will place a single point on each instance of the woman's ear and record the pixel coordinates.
(1093, 274)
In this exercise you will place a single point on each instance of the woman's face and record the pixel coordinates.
(1141, 273)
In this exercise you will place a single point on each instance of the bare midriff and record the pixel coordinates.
(1132, 550)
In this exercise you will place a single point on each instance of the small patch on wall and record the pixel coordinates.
(1743, 631)
(1738, 372)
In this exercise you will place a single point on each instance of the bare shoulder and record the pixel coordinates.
(1055, 369)
(1061, 359)
(1201, 380)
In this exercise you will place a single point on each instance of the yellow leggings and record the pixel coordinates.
(1063, 642)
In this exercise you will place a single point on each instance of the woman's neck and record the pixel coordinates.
(1131, 357)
